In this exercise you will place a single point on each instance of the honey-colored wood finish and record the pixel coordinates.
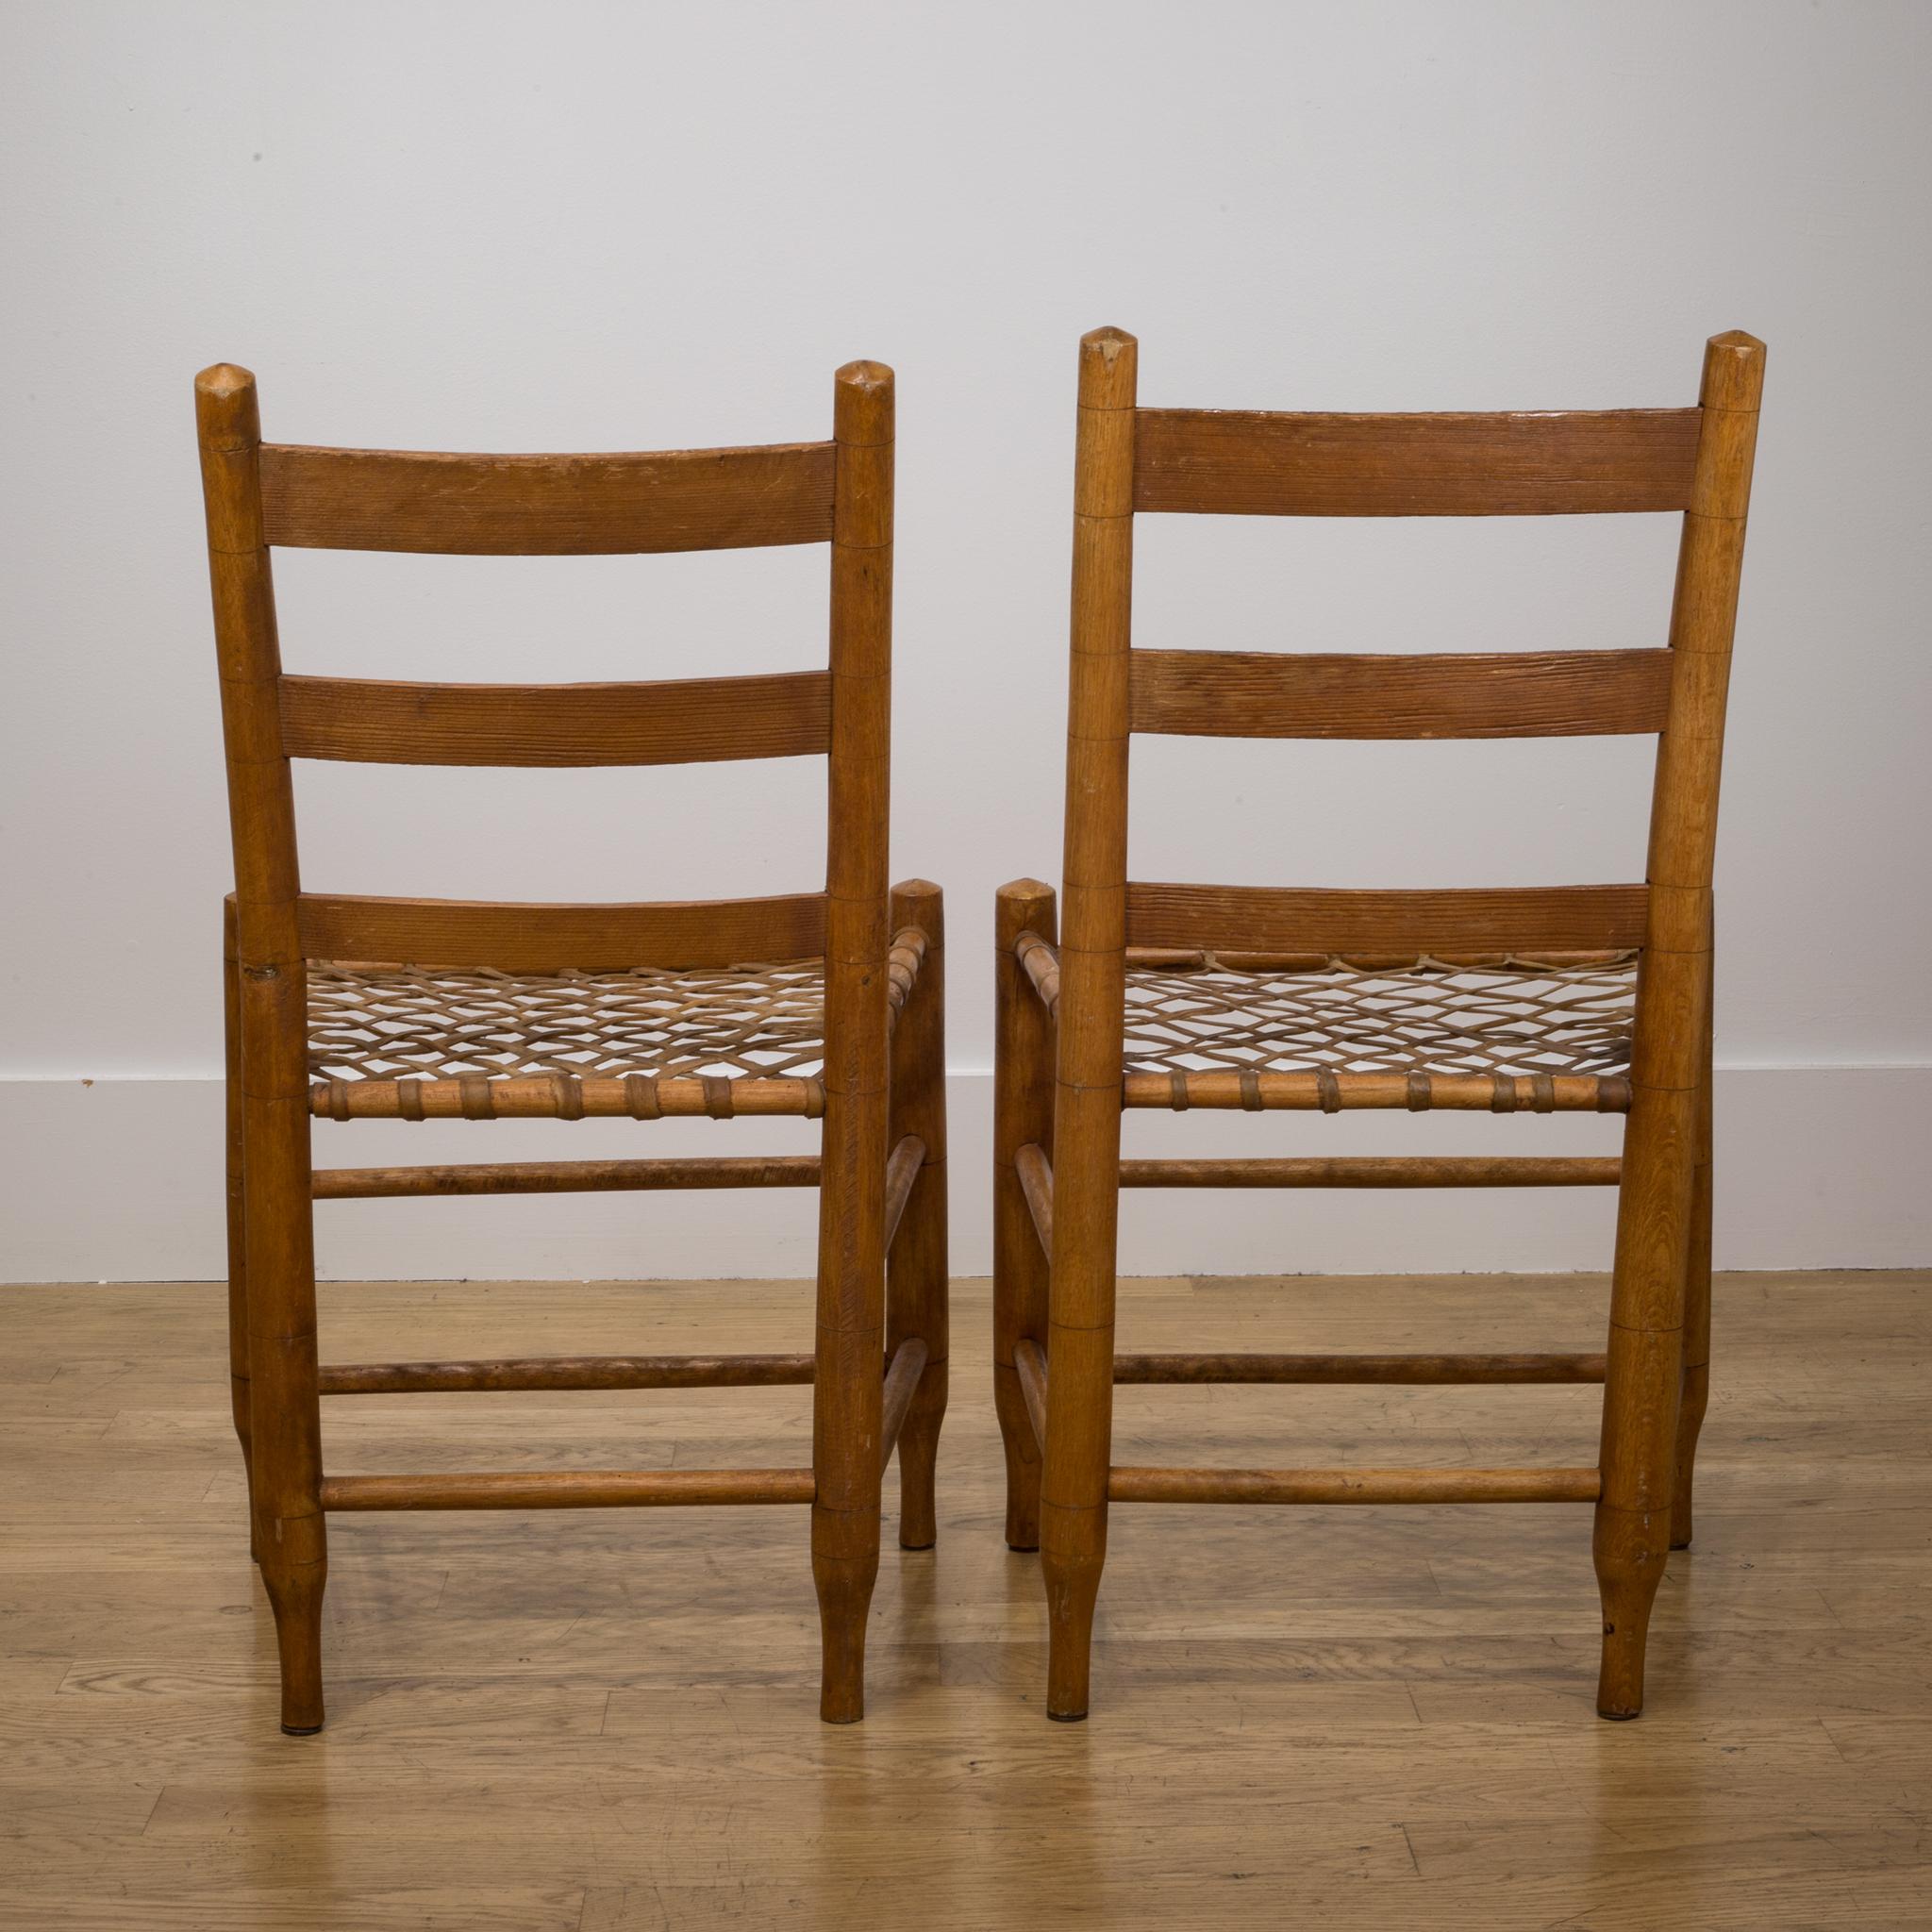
(1023, 1117)
(1036, 1183)
(285, 1416)
(1333, 1370)
(1251, 462)
(847, 1408)
(566, 1177)
(1087, 1088)
(918, 1264)
(239, 1397)
(569, 1371)
(683, 722)
(867, 1401)
(1643, 1388)
(1695, 1400)
(553, 938)
(1304, 1092)
(535, 1097)
(1346, 1717)
(569, 1488)
(1655, 1370)
(1510, 919)
(536, 505)
(902, 1171)
(1379, 1171)
(1364, 1485)
(904, 1368)
(1030, 1363)
(1498, 694)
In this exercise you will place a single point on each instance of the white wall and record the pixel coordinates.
(571, 226)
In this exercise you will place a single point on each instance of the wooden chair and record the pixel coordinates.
(489, 1011)
(1550, 1000)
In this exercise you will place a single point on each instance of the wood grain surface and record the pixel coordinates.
(546, 505)
(607, 1721)
(684, 721)
(1338, 695)
(555, 938)
(1522, 919)
(1259, 462)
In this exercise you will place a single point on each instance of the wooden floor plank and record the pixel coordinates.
(606, 1721)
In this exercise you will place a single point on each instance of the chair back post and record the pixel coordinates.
(261, 800)
(1672, 981)
(1704, 611)
(1642, 1384)
(286, 1420)
(1093, 936)
(851, 1261)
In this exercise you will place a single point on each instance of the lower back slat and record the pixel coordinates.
(558, 938)
(1522, 919)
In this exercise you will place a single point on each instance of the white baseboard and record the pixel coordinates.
(121, 1180)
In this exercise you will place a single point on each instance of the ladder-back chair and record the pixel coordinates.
(1548, 999)
(420, 1008)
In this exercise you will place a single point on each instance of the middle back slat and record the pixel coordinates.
(1446, 694)
(681, 721)
(1250, 462)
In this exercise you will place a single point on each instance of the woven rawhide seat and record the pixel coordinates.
(417, 1042)
(1257, 1031)
(1248, 1030)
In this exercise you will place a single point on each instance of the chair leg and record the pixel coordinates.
(1073, 1535)
(1022, 1116)
(847, 1385)
(916, 1269)
(286, 1422)
(844, 1567)
(1642, 1384)
(845, 1515)
(238, 1211)
(1079, 1410)
(1697, 1391)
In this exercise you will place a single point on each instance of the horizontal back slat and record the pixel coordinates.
(1522, 919)
(1502, 695)
(1244, 462)
(687, 721)
(546, 505)
(553, 939)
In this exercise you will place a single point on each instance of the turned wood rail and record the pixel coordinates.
(1379, 1171)
(564, 1177)
(1142, 1485)
(569, 1488)
(1128, 1484)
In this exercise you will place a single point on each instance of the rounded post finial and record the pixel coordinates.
(1733, 371)
(225, 408)
(1110, 369)
(862, 403)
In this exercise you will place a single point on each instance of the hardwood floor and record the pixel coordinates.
(603, 1722)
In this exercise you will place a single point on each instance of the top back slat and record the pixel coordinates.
(1247, 462)
(547, 506)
